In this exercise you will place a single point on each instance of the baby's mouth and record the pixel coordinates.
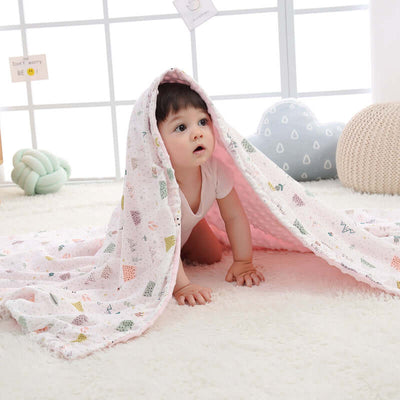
(198, 149)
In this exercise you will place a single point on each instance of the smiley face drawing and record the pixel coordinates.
(193, 5)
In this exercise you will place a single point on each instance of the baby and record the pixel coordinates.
(188, 134)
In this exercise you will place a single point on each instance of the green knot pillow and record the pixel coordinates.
(39, 172)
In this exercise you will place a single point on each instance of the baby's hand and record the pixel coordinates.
(192, 293)
(244, 272)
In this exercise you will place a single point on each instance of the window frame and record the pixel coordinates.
(287, 49)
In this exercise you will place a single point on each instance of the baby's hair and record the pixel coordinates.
(175, 96)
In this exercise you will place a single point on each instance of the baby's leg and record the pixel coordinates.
(202, 245)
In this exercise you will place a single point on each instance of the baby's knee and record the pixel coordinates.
(205, 255)
(215, 253)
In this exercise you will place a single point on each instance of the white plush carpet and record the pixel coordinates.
(309, 332)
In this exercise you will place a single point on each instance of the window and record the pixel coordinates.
(333, 71)
(102, 54)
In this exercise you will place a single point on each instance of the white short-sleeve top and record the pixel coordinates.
(217, 183)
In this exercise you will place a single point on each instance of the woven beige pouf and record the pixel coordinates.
(368, 150)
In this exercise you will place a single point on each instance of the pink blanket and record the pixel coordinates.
(79, 291)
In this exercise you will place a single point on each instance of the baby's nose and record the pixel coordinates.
(197, 135)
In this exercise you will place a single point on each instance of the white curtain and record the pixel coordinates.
(385, 50)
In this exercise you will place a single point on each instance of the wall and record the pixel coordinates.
(385, 50)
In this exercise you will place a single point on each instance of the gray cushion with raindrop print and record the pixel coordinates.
(291, 136)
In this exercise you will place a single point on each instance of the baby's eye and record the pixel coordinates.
(203, 122)
(180, 128)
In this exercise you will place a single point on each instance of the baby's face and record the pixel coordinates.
(188, 136)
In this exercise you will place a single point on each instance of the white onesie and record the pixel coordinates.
(217, 183)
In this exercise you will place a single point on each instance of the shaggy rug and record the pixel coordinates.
(308, 332)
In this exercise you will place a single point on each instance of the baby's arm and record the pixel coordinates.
(238, 230)
(181, 279)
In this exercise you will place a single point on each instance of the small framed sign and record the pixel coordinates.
(31, 68)
(195, 12)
